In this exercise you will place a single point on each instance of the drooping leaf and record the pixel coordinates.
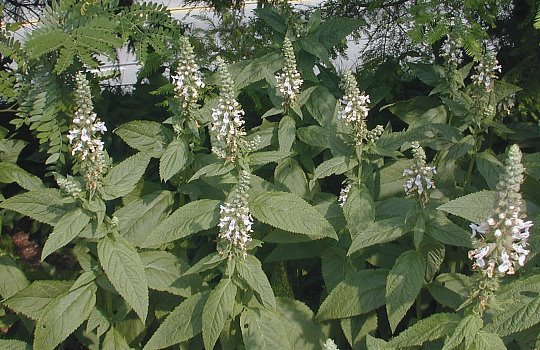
(217, 309)
(359, 209)
(358, 294)
(465, 332)
(403, 285)
(42, 205)
(125, 270)
(141, 216)
(63, 316)
(32, 300)
(382, 231)
(12, 279)
(515, 318)
(334, 166)
(488, 341)
(332, 31)
(146, 136)
(358, 327)
(162, 269)
(250, 270)
(263, 330)
(14, 345)
(11, 172)
(214, 169)
(450, 289)
(436, 326)
(475, 207)
(291, 213)
(67, 228)
(183, 323)
(114, 340)
(286, 133)
(446, 232)
(186, 220)
(173, 159)
(289, 174)
(123, 177)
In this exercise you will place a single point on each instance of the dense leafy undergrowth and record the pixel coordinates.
(272, 202)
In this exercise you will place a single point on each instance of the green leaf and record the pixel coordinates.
(183, 323)
(286, 133)
(214, 169)
(334, 30)
(459, 149)
(32, 300)
(391, 180)
(291, 213)
(173, 159)
(191, 218)
(357, 328)
(63, 316)
(334, 166)
(271, 17)
(141, 216)
(382, 231)
(490, 168)
(373, 343)
(217, 309)
(161, 269)
(322, 105)
(475, 207)
(11, 172)
(14, 345)
(403, 285)
(436, 326)
(302, 330)
(146, 136)
(265, 157)
(250, 270)
(488, 341)
(465, 332)
(263, 330)
(450, 289)
(446, 232)
(125, 270)
(114, 340)
(258, 69)
(67, 228)
(12, 279)
(289, 174)
(531, 162)
(357, 294)
(123, 177)
(41, 205)
(515, 318)
(359, 209)
(335, 266)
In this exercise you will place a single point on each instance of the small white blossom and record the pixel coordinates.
(329, 345)
(420, 175)
(344, 194)
(451, 52)
(486, 72)
(502, 238)
(188, 79)
(69, 185)
(289, 81)
(236, 221)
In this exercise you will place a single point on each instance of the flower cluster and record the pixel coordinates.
(329, 345)
(501, 240)
(289, 80)
(187, 80)
(451, 51)
(486, 72)
(84, 138)
(344, 194)
(68, 185)
(236, 221)
(355, 110)
(227, 119)
(420, 175)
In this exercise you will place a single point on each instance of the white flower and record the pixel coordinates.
(289, 81)
(451, 51)
(486, 70)
(420, 175)
(343, 194)
(329, 345)
(188, 79)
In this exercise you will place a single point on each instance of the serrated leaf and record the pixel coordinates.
(291, 213)
(332, 31)
(382, 231)
(67, 228)
(515, 318)
(114, 340)
(250, 270)
(334, 166)
(32, 300)
(450, 289)
(357, 294)
(173, 159)
(373, 343)
(475, 207)
(488, 341)
(286, 133)
(436, 326)
(214, 169)
(161, 269)
(183, 323)
(265, 157)
(403, 285)
(41, 205)
(12, 279)
(446, 232)
(63, 316)
(465, 332)
(189, 219)
(14, 345)
(490, 168)
(11, 172)
(322, 105)
(302, 330)
(146, 136)
(263, 330)
(289, 174)
(123, 177)
(359, 209)
(141, 216)
(217, 309)
(125, 271)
